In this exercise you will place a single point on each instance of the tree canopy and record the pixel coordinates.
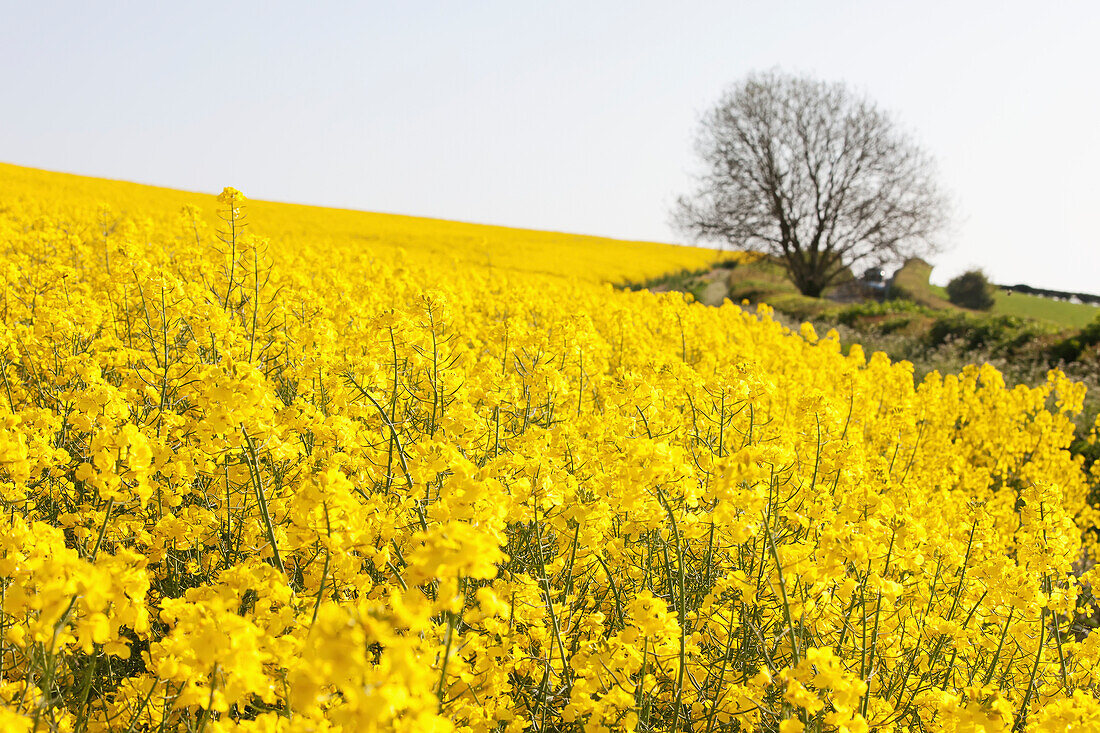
(815, 175)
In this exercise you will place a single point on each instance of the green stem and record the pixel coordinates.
(254, 471)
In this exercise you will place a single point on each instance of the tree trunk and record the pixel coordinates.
(805, 278)
(811, 289)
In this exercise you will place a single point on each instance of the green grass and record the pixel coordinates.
(1071, 315)
(913, 280)
(1023, 305)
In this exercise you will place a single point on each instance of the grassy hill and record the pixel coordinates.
(913, 281)
(1076, 315)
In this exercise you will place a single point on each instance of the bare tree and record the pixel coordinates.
(815, 175)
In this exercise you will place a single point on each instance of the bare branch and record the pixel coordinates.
(814, 175)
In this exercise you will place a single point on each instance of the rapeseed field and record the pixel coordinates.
(278, 468)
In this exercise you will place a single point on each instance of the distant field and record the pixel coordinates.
(1071, 315)
(913, 279)
(1076, 315)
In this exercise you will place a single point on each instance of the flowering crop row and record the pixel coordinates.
(298, 483)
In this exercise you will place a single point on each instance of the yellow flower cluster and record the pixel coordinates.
(272, 468)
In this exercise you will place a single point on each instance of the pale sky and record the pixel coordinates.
(571, 116)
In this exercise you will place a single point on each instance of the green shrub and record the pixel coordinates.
(849, 315)
(1003, 334)
(1069, 349)
(971, 289)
